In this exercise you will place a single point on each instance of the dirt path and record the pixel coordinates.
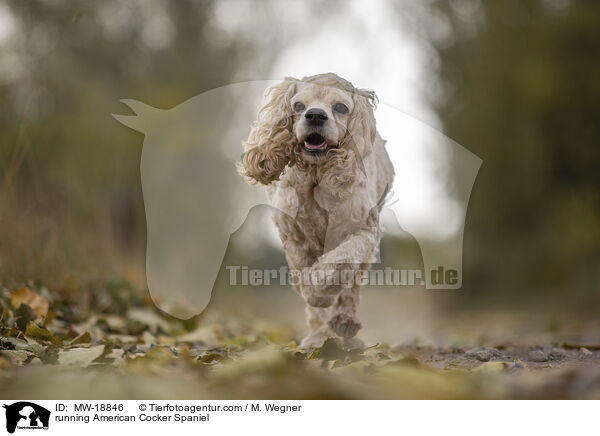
(133, 351)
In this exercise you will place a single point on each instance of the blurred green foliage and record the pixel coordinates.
(517, 85)
(69, 180)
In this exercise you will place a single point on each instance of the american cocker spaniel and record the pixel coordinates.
(315, 147)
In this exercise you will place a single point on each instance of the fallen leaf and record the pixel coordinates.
(150, 318)
(80, 356)
(18, 344)
(333, 349)
(40, 334)
(32, 299)
(83, 338)
(18, 356)
(210, 357)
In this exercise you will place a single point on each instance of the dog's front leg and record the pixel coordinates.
(343, 321)
(348, 246)
(351, 241)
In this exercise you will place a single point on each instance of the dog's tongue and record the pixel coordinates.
(314, 146)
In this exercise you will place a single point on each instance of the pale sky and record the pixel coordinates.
(383, 57)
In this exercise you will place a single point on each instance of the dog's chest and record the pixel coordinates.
(311, 217)
(299, 212)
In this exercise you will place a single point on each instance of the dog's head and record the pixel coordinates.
(318, 120)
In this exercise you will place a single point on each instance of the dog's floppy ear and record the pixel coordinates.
(361, 126)
(270, 146)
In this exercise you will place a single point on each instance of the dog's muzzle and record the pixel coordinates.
(315, 143)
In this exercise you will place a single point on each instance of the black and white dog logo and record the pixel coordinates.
(26, 415)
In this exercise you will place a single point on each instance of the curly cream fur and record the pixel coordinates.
(326, 208)
(270, 146)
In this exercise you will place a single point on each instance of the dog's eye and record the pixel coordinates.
(341, 108)
(298, 106)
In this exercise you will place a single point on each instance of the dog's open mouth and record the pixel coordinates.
(315, 143)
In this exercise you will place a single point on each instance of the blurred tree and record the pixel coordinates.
(69, 179)
(517, 85)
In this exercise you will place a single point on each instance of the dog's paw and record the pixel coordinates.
(320, 300)
(312, 341)
(345, 326)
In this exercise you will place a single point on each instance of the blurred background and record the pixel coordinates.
(515, 82)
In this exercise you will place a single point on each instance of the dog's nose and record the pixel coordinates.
(316, 117)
